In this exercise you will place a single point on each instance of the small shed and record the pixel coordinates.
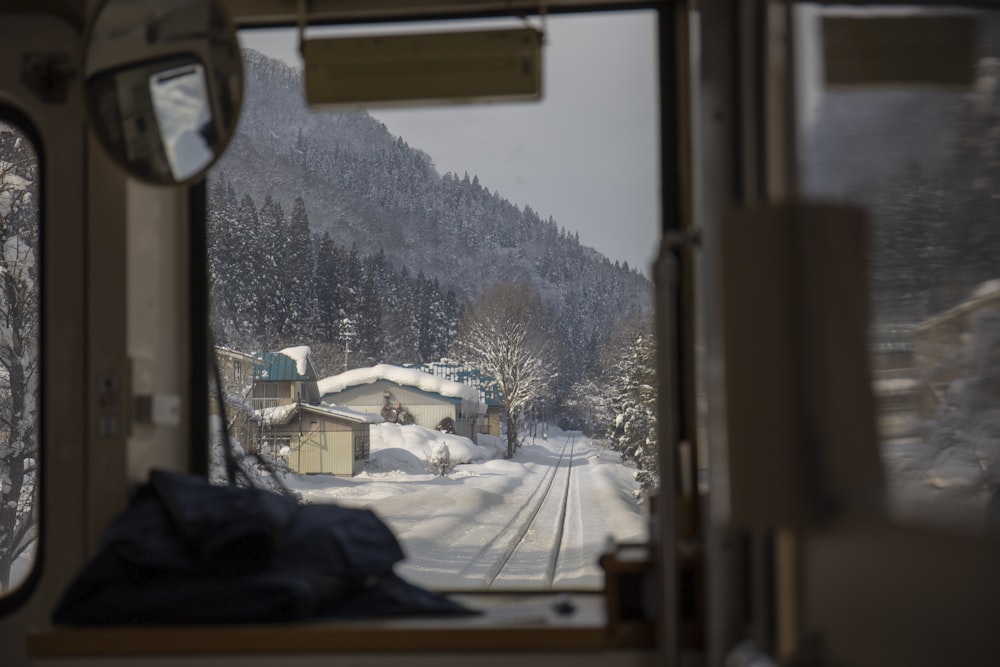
(320, 438)
(393, 391)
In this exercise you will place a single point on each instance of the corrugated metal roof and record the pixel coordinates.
(489, 392)
(277, 367)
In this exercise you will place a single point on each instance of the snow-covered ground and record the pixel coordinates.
(542, 518)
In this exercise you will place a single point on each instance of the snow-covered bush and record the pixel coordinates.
(440, 459)
(446, 425)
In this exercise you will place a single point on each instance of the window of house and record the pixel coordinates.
(275, 445)
(396, 238)
(20, 314)
(924, 160)
(265, 390)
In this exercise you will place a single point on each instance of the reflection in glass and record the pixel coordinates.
(926, 164)
(180, 102)
(163, 84)
(19, 356)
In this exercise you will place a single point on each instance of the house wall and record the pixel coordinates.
(324, 447)
(490, 424)
(325, 452)
(271, 394)
(426, 410)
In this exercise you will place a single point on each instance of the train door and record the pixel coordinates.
(43, 431)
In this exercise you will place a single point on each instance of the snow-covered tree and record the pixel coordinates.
(633, 434)
(505, 335)
(616, 398)
(19, 351)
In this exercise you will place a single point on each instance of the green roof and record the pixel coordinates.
(277, 367)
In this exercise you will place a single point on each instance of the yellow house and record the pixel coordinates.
(319, 438)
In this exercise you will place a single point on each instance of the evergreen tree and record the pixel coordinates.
(633, 434)
(297, 268)
(330, 308)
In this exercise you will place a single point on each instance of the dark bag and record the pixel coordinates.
(186, 551)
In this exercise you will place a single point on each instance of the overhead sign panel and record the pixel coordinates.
(418, 69)
(935, 51)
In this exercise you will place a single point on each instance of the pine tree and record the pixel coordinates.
(297, 269)
(328, 301)
(633, 402)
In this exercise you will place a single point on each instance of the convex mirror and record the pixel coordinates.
(163, 84)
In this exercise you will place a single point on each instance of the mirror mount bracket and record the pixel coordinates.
(47, 75)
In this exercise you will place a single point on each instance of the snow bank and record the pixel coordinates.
(407, 448)
(300, 355)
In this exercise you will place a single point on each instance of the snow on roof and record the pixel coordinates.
(300, 355)
(987, 288)
(283, 413)
(346, 413)
(279, 366)
(402, 376)
(276, 415)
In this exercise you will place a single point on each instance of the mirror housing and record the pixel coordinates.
(163, 81)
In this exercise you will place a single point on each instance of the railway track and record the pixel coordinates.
(525, 553)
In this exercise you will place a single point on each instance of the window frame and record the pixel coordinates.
(674, 303)
(13, 599)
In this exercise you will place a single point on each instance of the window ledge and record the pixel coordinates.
(509, 623)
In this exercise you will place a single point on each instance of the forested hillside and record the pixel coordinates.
(327, 230)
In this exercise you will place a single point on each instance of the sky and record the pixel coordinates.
(588, 155)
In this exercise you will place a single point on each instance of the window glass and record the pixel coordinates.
(19, 355)
(472, 283)
(923, 159)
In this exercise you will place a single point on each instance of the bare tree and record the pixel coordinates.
(508, 334)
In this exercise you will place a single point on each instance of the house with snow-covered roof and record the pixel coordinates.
(407, 395)
(320, 438)
(489, 391)
(284, 378)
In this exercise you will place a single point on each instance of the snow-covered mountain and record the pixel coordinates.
(366, 188)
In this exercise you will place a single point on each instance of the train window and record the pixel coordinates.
(374, 256)
(924, 161)
(19, 354)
